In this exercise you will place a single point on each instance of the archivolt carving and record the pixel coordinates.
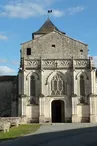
(32, 73)
(49, 77)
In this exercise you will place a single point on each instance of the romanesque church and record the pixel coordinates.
(56, 81)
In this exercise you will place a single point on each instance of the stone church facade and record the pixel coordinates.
(57, 81)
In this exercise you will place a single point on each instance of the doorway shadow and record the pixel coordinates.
(58, 111)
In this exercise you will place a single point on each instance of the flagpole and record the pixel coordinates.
(49, 11)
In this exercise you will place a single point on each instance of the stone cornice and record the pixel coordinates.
(92, 95)
(22, 96)
(73, 95)
(41, 95)
(56, 64)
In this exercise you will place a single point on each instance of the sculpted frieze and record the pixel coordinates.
(32, 63)
(81, 63)
(65, 63)
(48, 63)
(54, 63)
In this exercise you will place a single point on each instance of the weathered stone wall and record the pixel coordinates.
(14, 120)
(32, 113)
(43, 83)
(51, 54)
(65, 47)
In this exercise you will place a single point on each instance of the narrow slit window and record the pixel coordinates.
(53, 46)
(28, 51)
(81, 50)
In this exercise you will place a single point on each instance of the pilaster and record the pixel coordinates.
(23, 102)
(93, 76)
(74, 96)
(41, 109)
(74, 109)
(93, 108)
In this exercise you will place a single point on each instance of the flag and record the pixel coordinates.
(49, 11)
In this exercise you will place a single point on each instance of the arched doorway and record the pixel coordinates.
(57, 111)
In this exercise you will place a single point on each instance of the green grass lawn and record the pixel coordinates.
(19, 131)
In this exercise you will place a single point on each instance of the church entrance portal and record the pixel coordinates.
(57, 111)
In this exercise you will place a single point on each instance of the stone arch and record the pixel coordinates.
(57, 83)
(52, 74)
(32, 73)
(33, 86)
(82, 84)
(82, 73)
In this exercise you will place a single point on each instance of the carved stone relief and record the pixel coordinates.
(32, 63)
(65, 63)
(82, 63)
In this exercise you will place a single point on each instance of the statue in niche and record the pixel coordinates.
(82, 100)
(31, 100)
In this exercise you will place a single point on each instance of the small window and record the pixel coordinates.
(53, 46)
(28, 51)
(81, 50)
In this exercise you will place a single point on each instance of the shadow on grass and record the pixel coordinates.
(68, 137)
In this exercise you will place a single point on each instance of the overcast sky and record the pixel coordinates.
(19, 18)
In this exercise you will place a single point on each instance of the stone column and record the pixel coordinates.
(74, 109)
(22, 95)
(74, 92)
(19, 91)
(93, 96)
(41, 97)
(92, 76)
(93, 108)
(93, 81)
(41, 77)
(41, 109)
(23, 102)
